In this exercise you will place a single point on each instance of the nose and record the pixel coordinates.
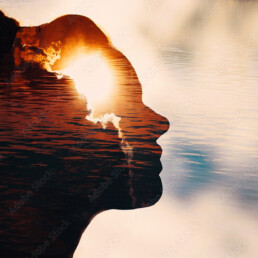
(161, 124)
(164, 124)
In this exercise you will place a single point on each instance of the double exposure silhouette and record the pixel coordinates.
(65, 156)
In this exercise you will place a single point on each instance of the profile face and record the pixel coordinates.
(141, 128)
(103, 152)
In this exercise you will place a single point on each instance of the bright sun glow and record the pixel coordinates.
(92, 77)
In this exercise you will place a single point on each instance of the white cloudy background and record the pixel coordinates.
(197, 61)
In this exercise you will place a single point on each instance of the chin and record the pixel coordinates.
(147, 191)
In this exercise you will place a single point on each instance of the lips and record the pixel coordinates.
(146, 161)
(158, 150)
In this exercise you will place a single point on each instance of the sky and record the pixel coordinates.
(184, 52)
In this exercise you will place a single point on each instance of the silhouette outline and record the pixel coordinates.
(58, 169)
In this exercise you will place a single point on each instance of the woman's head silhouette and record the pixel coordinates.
(64, 156)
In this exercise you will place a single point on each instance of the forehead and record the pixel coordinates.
(71, 45)
(90, 60)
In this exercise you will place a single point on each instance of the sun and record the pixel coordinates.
(92, 77)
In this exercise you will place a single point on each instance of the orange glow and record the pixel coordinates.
(92, 77)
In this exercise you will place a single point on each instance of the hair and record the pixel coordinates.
(8, 30)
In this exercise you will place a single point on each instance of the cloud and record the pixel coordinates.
(206, 228)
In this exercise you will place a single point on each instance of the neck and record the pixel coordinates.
(53, 237)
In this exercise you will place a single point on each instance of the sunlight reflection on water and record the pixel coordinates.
(208, 58)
